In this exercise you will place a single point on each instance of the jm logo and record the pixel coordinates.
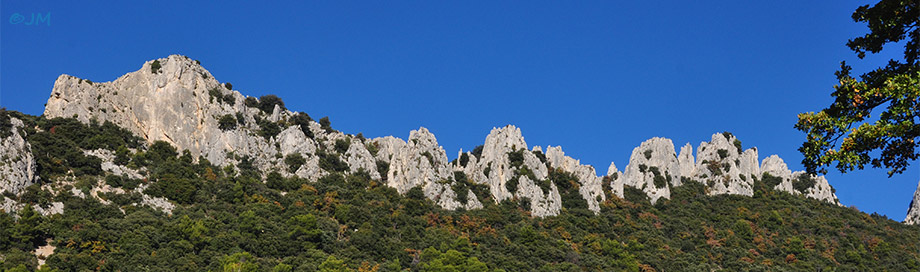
(36, 19)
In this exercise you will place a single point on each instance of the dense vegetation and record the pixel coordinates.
(233, 219)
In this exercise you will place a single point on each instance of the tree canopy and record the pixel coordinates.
(845, 132)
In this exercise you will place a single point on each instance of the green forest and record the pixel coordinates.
(233, 219)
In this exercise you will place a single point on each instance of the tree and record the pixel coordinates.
(325, 123)
(227, 122)
(267, 103)
(896, 87)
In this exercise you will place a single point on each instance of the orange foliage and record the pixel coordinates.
(790, 258)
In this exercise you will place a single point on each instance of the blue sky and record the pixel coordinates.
(597, 78)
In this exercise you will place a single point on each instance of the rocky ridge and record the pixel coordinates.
(176, 100)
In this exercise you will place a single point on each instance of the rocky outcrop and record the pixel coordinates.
(720, 164)
(590, 186)
(653, 168)
(616, 180)
(913, 212)
(419, 162)
(17, 165)
(775, 171)
(686, 161)
(512, 172)
(724, 168)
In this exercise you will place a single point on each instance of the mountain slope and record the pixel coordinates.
(166, 168)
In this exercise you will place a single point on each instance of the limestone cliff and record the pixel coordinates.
(17, 165)
(176, 100)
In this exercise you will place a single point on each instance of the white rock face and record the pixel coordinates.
(172, 105)
(17, 165)
(653, 159)
(616, 180)
(821, 190)
(418, 162)
(776, 167)
(724, 168)
(359, 158)
(686, 161)
(913, 213)
(590, 186)
(499, 143)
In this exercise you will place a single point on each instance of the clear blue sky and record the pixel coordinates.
(597, 78)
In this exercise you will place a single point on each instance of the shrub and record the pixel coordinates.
(121, 156)
(722, 153)
(477, 151)
(229, 99)
(294, 161)
(275, 181)
(215, 94)
(512, 184)
(461, 188)
(464, 159)
(737, 144)
(660, 182)
(267, 103)
(113, 180)
(540, 155)
(331, 162)
(516, 158)
(635, 195)
(161, 151)
(383, 168)
(325, 123)
(714, 167)
(303, 120)
(240, 119)
(251, 102)
(227, 122)
(228, 86)
(648, 154)
(802, 182)
(155, 66)
(6, 124)
(342, 145)
(268, 129)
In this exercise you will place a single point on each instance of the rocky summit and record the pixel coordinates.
(176, 100)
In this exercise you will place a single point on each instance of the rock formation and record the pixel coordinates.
(773, 167)
(17, 165)
(724, 168)
(913, 212)
(175, 100)
(653, 168)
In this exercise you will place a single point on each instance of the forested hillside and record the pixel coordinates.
(240, 218)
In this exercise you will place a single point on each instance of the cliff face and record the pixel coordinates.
(17, 165)
(176, 100)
